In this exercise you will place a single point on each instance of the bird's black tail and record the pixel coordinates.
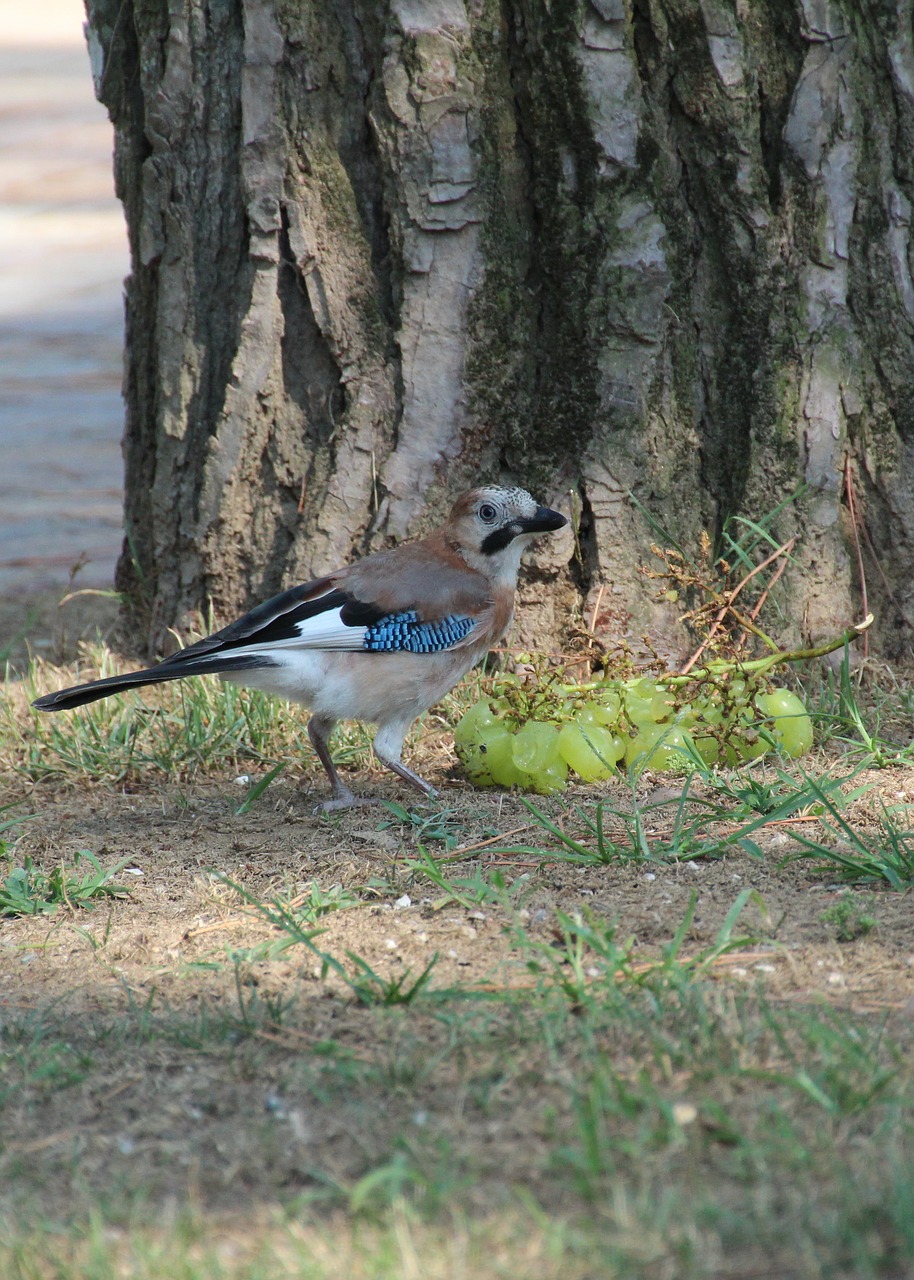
(171, 669)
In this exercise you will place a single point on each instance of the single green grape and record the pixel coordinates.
(638, 747)
(662, 704)
(664, 747)
(550, 779)
(535, 746)
(597, 714)
(479, 718)
(792, 725)
(707, 713)
(475, 764)
(607, 706)
(708, 710)
(589, 749)
(708, 748)
(639, 696)
(483, 745)
(697, 717)
(500, 759)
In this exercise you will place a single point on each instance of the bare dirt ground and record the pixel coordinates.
(175, 838)
(165, 947)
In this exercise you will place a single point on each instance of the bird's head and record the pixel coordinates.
(492, 527)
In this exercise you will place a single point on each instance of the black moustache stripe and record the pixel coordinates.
(498, 539)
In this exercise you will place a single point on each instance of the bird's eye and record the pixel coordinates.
(488, 513)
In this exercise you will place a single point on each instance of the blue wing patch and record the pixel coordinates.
(403, 632)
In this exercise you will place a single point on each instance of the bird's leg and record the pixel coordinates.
(319, 730)
(387, 747)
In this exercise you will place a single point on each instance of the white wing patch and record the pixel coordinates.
(323, 631)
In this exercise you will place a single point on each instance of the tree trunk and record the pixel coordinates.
(608, 249)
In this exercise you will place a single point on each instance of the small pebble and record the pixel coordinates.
(685, 1112)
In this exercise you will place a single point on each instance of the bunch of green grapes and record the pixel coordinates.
(530, 735)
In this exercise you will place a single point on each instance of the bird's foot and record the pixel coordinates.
(344, 800)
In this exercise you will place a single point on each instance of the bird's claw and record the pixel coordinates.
(345, 800)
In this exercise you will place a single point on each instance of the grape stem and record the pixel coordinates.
(754, 629)
(727, 604)
(761, 665)
(755, 665)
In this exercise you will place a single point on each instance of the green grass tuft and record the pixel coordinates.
(181, 730)
(27, 890)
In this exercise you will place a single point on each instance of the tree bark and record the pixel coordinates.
(609, 249)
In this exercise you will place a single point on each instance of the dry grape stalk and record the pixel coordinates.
(725, 627)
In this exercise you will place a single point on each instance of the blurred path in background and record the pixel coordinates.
(63, 258)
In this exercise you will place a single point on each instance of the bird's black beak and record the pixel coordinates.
(543, 520)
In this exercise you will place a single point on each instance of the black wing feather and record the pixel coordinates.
(269, 622)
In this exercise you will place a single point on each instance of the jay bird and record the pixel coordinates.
(380, 640)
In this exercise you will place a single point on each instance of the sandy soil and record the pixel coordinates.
(165, 947)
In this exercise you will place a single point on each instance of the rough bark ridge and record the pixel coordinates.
(381, 250)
